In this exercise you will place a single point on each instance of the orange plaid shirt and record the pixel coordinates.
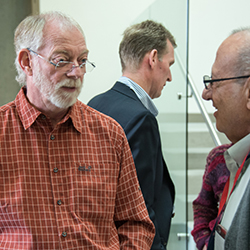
(71, 187)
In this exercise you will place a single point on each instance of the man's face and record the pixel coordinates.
(162, 72)
(54, 85)
(57, 94)
(228, 96)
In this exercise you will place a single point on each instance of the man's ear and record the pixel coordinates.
(153, 57)
(24, 60)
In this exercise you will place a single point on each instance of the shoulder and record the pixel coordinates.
(119, 93)
(217, 152)
(124, 107)
(7, 110)
(7, 107)
(8, 117)
(94, 119)
(216, 162)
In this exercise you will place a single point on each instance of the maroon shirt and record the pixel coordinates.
(71, 187)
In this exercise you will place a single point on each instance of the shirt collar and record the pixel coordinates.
(141, 94)
(28, 113)
(76, 115)
(239, 150)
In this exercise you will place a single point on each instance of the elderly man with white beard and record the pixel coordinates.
(67, 176)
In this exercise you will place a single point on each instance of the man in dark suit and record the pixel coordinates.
(146, 53)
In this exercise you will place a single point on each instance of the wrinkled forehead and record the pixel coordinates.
(56, 37)
(55, 29)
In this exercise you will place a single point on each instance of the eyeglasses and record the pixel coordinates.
(86, 66)
(208, 80)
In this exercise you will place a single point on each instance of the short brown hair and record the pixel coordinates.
(141, 38)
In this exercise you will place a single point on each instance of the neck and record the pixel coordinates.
(138, 78)
(56, 117)
(55, 113)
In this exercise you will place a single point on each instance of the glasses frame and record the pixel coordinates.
(66, 62)
(208, 79)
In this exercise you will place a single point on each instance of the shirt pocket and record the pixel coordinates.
(11, 196)
(11, 213)
(93, 190)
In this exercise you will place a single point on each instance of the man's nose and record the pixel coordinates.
(206, 94)
(169, 77)
(76, 72)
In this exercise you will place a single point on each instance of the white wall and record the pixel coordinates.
(103, 22)
(211, 21)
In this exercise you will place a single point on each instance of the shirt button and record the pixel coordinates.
(52, 137)
(59, 202)
(64, 234)
(55, 170)
(43, 117)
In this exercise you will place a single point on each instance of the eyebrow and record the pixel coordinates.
(65, 52)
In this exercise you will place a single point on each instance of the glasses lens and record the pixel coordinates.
(89, 66)
(65, 65)
(206, 78)
(207, 81)
(69, 66)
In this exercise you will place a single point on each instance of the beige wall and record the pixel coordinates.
(11, 13)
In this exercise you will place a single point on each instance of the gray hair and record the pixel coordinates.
(242, 64)
(29, 34)
(142, 38)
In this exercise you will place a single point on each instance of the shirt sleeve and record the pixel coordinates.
(135, 229)
(205, 206)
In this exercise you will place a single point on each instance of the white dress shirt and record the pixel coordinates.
(234, 157)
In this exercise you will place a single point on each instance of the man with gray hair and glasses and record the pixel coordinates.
(67, 176)
(229, 90)
(146, 53)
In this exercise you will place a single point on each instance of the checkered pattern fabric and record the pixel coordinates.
(69, 187)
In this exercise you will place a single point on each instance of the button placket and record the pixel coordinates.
(55, 170)
(64, 234)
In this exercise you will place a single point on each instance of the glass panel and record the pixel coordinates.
(172, 107)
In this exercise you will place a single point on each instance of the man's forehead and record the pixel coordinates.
(232, 44)
(64, 40)
(56, 32)
(226, 54)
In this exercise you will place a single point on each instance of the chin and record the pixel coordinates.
(65, 100)
(65, 104)
(157, 95)
(219, 128)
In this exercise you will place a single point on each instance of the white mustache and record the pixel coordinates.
(69, 83)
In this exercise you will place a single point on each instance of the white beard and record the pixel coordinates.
(54, 93)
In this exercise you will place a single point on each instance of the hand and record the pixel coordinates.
(204, 248)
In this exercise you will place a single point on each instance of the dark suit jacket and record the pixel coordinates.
(141, 128)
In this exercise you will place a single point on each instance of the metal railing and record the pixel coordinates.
(200, 104)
